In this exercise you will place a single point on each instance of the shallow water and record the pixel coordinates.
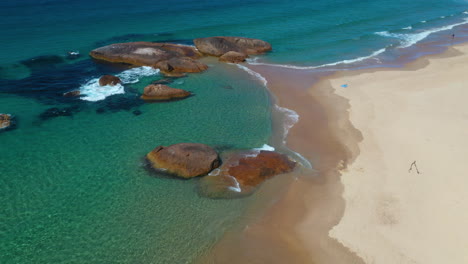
(74, 184)
(76, 188)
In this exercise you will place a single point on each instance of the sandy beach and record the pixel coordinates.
(388, 148)
(405, 193)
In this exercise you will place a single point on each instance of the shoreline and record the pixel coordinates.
(297, 226)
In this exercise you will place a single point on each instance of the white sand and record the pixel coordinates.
(393, 215)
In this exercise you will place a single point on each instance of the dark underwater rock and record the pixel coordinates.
(42, 62)
(75, 93)
(163, 81)
(56, 112)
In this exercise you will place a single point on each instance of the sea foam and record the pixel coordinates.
(291, 118)
(93, 92)
(358, 59)
(408, 40)
(255, 74)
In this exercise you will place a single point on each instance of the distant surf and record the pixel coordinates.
(350, 61)
(409, 39)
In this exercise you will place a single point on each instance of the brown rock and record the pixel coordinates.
(109, 80)
(233, 57)
(252, 171)
(163, 92)
(217, 46)
(181, 65)
(151, 54)
(242, 172)
(6, 121)
(72, 93)
(185, 160)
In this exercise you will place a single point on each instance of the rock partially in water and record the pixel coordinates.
(109, 80)
(179, 65)
(233, 57)
(7, 122)
(72, 93)
(73, 55)
(170, 57)
(217, 46)
(243, 172)
(185, 160)
(160, 92)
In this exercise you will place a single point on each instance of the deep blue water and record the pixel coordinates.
(74, 188)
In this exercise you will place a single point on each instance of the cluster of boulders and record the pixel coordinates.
(174, 60)
(237, 175)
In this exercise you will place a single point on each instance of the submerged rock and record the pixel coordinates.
(163, 81)
(7, 122)
(155, 92)
(56, 112)
(233, 57)
(217, 46)
(72, 93)
(242, 172)
(184, 160)
(109, 80)
(165, 56)
(137, 112)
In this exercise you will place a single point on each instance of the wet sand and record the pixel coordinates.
(360, 203)
(271, 236)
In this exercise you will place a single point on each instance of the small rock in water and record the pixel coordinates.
(7, 122)
(109, 80)
(72, 93)
(73, 54)
(155, 92)
(137, 112)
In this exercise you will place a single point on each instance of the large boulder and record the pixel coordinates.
(242, 172)
(185, 160)
(109, 80)
(6, 122)
(233, 57)
(217, 46)
(179, 65)
(163, 92)
(151, 54)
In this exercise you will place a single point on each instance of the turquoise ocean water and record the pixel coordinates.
(74, 188)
